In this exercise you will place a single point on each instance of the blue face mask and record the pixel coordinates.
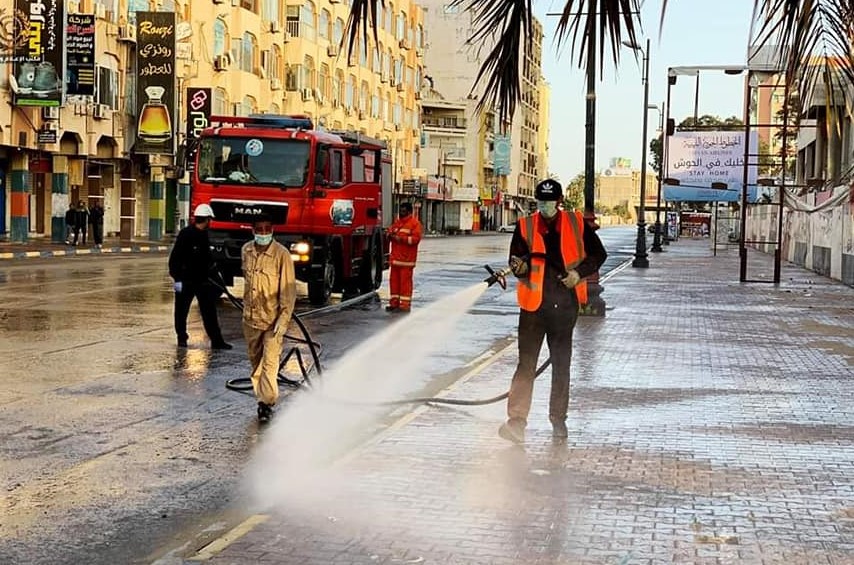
(547, 209)
(263, 240)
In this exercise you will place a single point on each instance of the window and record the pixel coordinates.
(338, 86)
(323, 23)
(323, 80)
(387, 57)
(398, 71)
(307, 20)
(397, 115)
(275, 64)
(336, 165)
(364, 97)
(282, 163)
(307, 73)
(292, 21)
(350, 93)
(363, 53)
(219, 33)
(419, 36)
(375, 104)
(376, 64)
(390, 27)
(401, 26)
(249, 49)
(108, 87)
(219, 104)
(338, 31)
(248, 106)
(271, 10)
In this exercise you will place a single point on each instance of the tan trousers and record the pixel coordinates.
(265, 351)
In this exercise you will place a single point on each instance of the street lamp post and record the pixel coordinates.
(656, 240)
(641, 260)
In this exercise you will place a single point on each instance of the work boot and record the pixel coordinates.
(221, 345)
(265, 413)
(512, 430)
(559, 429)
(391, 308)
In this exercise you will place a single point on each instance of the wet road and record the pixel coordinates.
(115, 443)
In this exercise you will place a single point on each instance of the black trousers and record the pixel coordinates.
(98, 233)
(80, 231)
(205, 294)
(556, 325)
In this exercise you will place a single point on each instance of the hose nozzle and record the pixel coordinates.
(499, 277)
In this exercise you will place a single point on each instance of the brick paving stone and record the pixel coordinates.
(710, 422)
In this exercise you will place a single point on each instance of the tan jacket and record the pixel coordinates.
(269, 291)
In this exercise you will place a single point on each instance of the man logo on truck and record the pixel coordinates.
(248, 211)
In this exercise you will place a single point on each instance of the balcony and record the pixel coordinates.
(456, 155)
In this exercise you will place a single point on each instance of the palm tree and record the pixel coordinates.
(811, 39)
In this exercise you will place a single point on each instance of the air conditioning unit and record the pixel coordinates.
(336, 103)
(334, 1)
(384, 77)
(221, 62)
(392, 81)
(100, 111)
(404, 43)
(287, 37)
(332, 51)
(235, 3)
(100, 11)
(400, 87)
(236, 108)
(306, 94)
(275, 84)
(419, 51)
(361, 114)
(72, 6)
(275, 27)
(50, 113)
(398, 127)
(127, 32)
(318, 95)
(418, 95)
(261, 72)
(219, 1)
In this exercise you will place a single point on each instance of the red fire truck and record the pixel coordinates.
(328, 192)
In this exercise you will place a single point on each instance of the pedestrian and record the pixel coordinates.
(551, 252)
(405, 235)
(190, 265)
(269, 295)
(96, 218)
(70, 218)
(81, 221)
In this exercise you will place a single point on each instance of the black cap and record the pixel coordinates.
(548, 190)
(406, 206)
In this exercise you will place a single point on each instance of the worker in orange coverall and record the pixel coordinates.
(405, 235)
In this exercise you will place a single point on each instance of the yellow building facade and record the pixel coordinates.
(256, 56)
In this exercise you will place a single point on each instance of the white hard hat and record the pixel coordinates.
(203, 211)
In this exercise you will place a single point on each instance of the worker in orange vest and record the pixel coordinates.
(405, 235)
(551, 253)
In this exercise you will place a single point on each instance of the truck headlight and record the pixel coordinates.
(301, 248)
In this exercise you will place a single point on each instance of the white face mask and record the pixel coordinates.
(547, 209)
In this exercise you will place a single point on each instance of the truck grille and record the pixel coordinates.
(245, 211)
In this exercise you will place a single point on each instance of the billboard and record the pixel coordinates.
(155, 84)
(80, 55)
(699, 158)
(37, 52)
(501, 155)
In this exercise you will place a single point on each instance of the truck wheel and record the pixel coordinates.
(371, 270)
(320, 289)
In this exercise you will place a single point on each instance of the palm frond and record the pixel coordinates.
(609, 22)
(363, 19)
(506, 26)
(812, 43)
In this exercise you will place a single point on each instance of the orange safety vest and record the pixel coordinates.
(529, 290)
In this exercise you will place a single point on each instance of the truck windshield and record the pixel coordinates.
(253, 161)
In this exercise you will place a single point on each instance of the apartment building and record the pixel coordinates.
(255, 56)
(501, 163)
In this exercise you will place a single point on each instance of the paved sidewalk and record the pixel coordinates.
(40, 248)
(710, 422)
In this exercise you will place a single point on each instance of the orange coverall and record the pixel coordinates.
(405, 234)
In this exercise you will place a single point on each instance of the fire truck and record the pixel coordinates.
(328, 193)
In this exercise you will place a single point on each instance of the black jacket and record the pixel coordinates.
(81, 218)
(70, 217)
(190, 260)
(555, 292)
(96, 216)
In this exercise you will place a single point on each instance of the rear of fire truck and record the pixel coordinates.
(329, 194)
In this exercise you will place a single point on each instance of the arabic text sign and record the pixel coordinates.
(698, 159)
(80, 47)
(37, 45)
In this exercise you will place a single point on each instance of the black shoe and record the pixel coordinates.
(182, 343)
(391, 308)
(221, 345)
(511, 431)
(559, 429)
(265, 413)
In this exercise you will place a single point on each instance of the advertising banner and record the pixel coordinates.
(198, 112)
(37, 52)
(80, 55)
(501, 155)
(155, 85)
(699, 158)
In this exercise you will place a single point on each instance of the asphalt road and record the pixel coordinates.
(116, 443)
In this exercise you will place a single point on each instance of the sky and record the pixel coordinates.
(695, 32)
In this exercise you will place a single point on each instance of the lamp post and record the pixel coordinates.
(656, 240)
(641, 260)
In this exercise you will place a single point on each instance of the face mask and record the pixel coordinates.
(547, 209)
(263, 240)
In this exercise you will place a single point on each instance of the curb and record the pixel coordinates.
(47, 254)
